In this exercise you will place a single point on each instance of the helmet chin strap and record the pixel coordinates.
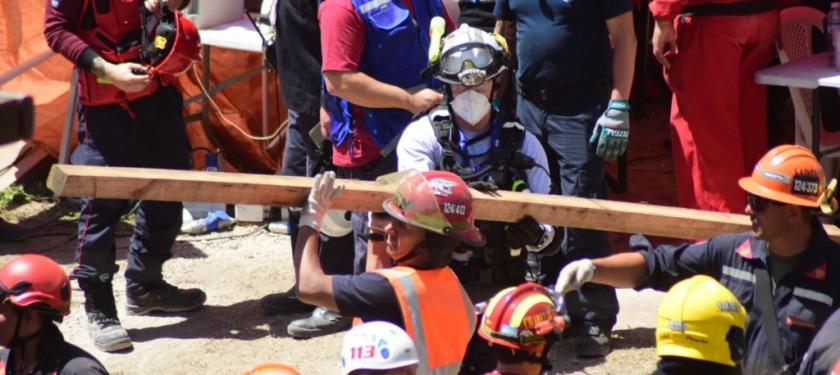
(411, 254)
(20, 341)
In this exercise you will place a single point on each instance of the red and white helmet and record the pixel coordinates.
(437, 201)
(36, 282)
(377, 346)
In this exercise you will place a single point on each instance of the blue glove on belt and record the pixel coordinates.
(612, 131)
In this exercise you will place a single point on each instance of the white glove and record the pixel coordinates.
(322, 196)
(574, 275)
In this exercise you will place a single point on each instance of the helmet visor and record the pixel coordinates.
(475, 56)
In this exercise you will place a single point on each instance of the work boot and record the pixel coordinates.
(165, 298)
(284, 303)
(103, 325)
(322, 322)
(594, 342)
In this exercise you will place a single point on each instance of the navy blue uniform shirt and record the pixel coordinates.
(562, 43)
(804, 297)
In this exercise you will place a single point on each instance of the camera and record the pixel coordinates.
(17, 116)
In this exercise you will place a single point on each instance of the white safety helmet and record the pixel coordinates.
(377, 346)
(470, 57)
(336, 223)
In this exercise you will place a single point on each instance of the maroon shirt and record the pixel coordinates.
(61, 27)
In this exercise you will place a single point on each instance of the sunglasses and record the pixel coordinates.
(758, 204)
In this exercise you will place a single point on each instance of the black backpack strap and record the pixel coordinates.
(447, 135)
(764, 302)
(509, 144)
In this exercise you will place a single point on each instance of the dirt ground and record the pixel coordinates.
(230, 333)
(237, 267)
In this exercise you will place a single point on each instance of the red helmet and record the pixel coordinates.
(37, 282)
(176, 44)
(520, 317)
(437, 201)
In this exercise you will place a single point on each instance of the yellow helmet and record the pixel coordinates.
(699, 318)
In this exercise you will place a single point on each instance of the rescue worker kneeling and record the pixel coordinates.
(431, 213)
(700, 329)
(520, 324)
(465, 135)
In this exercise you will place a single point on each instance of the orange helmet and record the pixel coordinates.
(271, 368)
(176, 44)
(789, 174)
(36, 282)
(520, 317)
(437, 201)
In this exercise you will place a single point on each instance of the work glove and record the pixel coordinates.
(528, 233)
(322, 196)
(574, 275)
(612, 131)
(483, 186)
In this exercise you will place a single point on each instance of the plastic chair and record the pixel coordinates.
(797, 24)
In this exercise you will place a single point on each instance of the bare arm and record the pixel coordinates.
(624, 58)
(314, 287)
(362, 90)
(664, 41)
(625, 270)
(502, 27)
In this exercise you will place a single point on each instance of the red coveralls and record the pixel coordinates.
(718, 112)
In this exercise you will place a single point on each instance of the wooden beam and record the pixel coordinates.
(166, 185)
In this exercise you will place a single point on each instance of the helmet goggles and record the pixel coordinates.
(469, 63)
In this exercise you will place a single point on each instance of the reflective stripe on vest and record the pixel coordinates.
(440, 327)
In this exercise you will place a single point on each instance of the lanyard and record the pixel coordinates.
(464, 144)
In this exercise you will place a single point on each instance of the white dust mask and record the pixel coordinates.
(471, 106)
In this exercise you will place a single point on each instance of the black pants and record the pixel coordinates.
(154, 137)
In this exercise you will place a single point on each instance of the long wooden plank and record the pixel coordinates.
(165, 185)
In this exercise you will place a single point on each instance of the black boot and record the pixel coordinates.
(164, 298)
(103, 324)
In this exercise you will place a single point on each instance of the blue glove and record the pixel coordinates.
(612, 131)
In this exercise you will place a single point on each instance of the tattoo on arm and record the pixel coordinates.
(98, 67)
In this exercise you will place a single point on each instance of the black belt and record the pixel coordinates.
(553, 95)
(745, 8)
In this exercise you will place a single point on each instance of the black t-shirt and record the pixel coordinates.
(73, 361)
(369, 296)
(478, 14)
(298, 44)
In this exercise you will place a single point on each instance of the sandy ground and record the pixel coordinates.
(236, 268)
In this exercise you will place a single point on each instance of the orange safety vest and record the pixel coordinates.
(116, 38)
(438, 314)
